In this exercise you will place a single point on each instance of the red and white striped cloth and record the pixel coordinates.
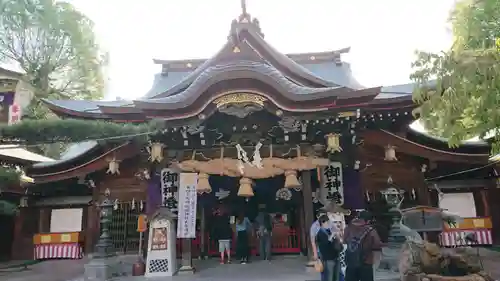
(58, 251)
(456, 238)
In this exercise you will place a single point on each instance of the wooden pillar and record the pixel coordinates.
(92, 229)
(203, 246)
(93, 222)
(303, 231)
(17, 242)
(186, 259)
(485, 203)
(308, 209)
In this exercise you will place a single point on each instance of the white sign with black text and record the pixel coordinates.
(186, 219)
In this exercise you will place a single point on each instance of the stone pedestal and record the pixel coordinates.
(102, 269)
(186, 260)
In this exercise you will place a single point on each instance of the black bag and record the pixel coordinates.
(355, 254)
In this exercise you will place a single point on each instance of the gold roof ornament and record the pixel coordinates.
(239, 98)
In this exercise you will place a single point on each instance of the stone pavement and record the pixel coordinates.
(289, 268)
(54, 270)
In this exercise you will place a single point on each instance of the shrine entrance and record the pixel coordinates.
(284, 205)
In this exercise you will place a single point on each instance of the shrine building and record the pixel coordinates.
(260, 128)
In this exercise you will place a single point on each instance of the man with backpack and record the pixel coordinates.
(362, 241)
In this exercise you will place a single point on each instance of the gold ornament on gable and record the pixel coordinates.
(239, 98)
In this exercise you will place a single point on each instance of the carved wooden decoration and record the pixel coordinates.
(333, 143)
(155, 151)
(113, 166)
(390, 153)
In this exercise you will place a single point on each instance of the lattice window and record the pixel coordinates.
(159, 265)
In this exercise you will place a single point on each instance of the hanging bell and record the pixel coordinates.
(203, 184)
(291, 180)
(245, 189)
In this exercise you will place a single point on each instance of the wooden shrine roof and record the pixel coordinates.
(246, 63)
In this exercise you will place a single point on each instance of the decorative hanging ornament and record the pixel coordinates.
(390, 153)
(333, 143)
(141, 205)
(155, 151)
(243, 158)
(390, 181)
(115, 205)
(423, 168)
(356, 164)
(113, 166)
(257, 160)
(203, 184)
(291, 180)
(245, 189)
(132, 204)
(283, 194)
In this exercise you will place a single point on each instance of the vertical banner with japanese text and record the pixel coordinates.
(332, 185)
(186, 219)
(169, 185)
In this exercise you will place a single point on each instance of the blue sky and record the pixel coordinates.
(382, 34)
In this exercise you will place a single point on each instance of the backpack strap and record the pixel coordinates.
(365, 232)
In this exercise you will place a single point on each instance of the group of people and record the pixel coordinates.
(344, 254)
(223, 232)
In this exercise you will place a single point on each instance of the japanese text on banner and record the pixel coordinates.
(186, 220)
(332, 182)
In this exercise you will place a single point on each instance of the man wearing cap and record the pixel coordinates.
(360, 232)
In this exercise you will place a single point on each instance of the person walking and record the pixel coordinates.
(243, 230)
(264, 233)
(329, 247)
(362, 242)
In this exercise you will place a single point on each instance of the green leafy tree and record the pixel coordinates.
(55, 45)
(464, 101)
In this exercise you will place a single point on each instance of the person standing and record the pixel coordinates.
(223, 233)
(243, 230)
(315, 227)
(362, 242)
(264, 232)
(329, 247)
